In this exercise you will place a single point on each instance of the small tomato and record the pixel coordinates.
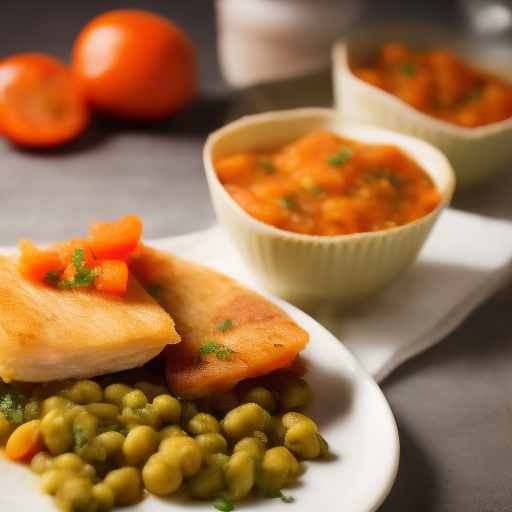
(135, 65)
(39, 103)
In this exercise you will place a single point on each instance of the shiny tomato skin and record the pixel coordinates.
(40, 105)
(134, 64)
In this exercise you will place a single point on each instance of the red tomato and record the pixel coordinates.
(135, 64)
(39, 103)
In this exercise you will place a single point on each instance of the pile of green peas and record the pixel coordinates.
(110, 446)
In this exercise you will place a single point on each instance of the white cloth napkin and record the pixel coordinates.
(466, 258)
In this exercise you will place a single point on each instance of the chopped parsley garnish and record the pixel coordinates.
(84, 276)
(267, 165)
(12, 405)
(288, 202)
(224, 352)
(208, 348)
(276, 493)
(342, 157)
(224, 326)
(211, 347)
(81, 441)
(315, 189)
(284, 202)
(53, 276)
(383, 174)
(410, 69)
(224, 504)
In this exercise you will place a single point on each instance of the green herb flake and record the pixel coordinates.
(383, 174)
(409, 69)
(285, 202)
(224, 326)
(12, 404)
(224, 352)
(343, 156)
(208, 348)
(224, 504)
(276, 493)
(84, 276)
(267, 165)
(53, 276)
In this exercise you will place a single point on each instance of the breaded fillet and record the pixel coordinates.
(48, 333)
(261, 336)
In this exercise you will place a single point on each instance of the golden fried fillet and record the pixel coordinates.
(228, 332)
(48, 333)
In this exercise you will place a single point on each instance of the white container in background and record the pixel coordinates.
(268, 40)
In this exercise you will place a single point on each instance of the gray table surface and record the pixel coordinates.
(452, 404)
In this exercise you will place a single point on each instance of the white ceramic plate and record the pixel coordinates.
(351, 413)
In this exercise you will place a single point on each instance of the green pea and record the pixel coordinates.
(126, 484)
(167, 408)
(83, 392)
(262, 397)
(203, 423)
(295, 393)
(140, 444)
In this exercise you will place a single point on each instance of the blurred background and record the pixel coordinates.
(115, 167)
(453, 446)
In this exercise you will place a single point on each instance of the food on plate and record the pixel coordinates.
(134, 64)
(327, 185)
(47, 332)
(99, 260)
(217, 418)
(96, 444)
(40, 105)
(228, 332)
(439, 83)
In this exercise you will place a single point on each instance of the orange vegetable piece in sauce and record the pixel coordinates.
(115, 246)
(114, 240)
(440, 84)
(326, 185)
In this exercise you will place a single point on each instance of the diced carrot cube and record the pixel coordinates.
(35, 263)
(113, 276)
(67, 251)
(115, 240)
(24, 442)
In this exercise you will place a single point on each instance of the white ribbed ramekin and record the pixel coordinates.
(476, 154)
(306, 269)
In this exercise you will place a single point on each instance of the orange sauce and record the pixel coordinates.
(440, 84)
(326, 185)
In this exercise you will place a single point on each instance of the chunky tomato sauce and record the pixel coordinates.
(326, 185)
(440, 84)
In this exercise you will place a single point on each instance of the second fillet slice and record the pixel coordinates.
(228, 332)
(51, 334)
